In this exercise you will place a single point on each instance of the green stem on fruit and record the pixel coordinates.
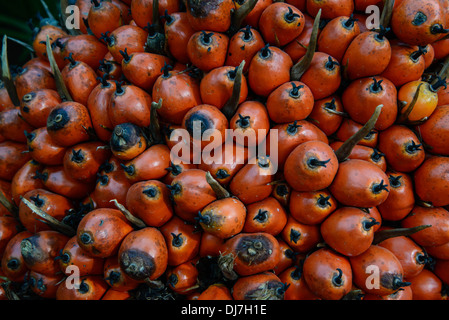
(231, 105)
(219, 190)
(49, 220)
(383, 235)
(237, 16)
(47, 11)
(156, 18)
(346, 148)
(403, 117)
(6, 74)
(60, 85)
(303, 64)
(387, 12)
(155, 128)
(444, 71)
(10, 206)
(129, 216)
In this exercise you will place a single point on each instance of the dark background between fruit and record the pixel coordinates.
(14, 15)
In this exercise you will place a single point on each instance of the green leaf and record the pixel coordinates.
(14, 18)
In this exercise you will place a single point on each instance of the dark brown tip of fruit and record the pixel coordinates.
(137, 264)
(254, 249)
